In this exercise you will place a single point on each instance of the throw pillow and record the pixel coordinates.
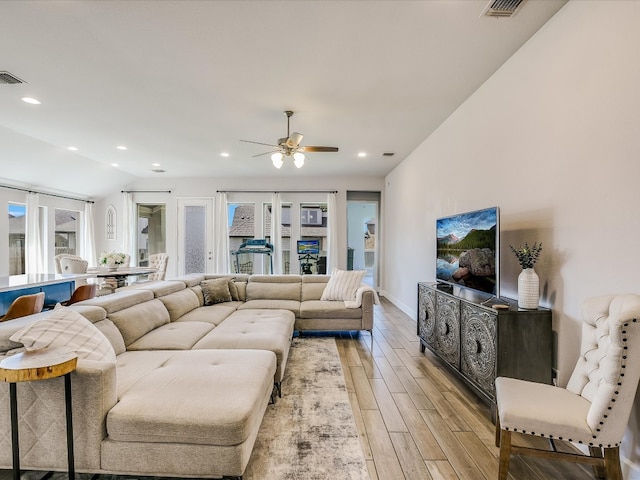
(66, 328)
(343, 285)
(233, 289)
(216, 291)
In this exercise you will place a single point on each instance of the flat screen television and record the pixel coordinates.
(308, 247)
(468, 250)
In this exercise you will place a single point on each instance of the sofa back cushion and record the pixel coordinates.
(179, 303)
(274, 287)
(119, 300)
(135, 321)
(313, 286)
(162, 288)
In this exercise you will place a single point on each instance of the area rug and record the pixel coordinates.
(309, 434)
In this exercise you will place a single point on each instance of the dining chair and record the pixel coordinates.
(57, 259)
(24, 305)
(594, 408)
(83, 292)
(159, 262)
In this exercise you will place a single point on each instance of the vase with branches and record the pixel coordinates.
(528, 281)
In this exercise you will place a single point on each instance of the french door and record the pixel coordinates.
(195, 235)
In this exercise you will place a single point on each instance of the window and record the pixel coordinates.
(66, 232)
(241, 229)
(285, 235)
(17, 218)
(110, 223)
(150, 234)
(313, 226)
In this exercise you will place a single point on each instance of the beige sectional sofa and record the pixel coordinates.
(191, 382)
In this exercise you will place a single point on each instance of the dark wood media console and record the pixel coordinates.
(478, 342)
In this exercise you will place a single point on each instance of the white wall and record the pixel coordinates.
(207, 187)
(553, 139)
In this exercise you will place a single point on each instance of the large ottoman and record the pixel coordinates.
(176, 406)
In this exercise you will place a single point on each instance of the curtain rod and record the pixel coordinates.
(277, 191)
(30, 190)
(145, 191)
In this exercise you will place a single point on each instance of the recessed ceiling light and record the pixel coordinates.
(224, 154)
(362, 154)
(121, 147)
(32, 101)
(72, 148)
(155, 164)
(115, 165)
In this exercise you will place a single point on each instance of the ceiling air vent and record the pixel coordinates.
(388, 154)
(503, 8)
(7, 79)
(158, 170)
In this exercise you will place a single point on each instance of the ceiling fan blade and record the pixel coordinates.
(266, 153)
(318, 149)
(294, 140)
(260, 143)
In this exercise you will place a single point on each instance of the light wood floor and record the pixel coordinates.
(417, 421)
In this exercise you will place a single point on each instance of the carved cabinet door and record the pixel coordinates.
(448, 329)
(427, 315)
(479, 340)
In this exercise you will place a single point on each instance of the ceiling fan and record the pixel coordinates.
(289, 146)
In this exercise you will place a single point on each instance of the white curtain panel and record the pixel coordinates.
(332, 232)
(33, 259)
(276, 233)
(221, 236)
(88, 247)
(129, 227)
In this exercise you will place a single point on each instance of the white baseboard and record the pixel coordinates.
(406, 309)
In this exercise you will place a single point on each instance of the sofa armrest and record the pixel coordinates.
(42, 420)
(368, 299)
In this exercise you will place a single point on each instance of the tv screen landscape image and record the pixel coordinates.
(467, 250)
(308, 247)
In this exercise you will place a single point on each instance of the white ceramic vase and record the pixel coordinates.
(528, 289)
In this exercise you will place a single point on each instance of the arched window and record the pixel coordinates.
(110, 223)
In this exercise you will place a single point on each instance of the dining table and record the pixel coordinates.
(120, 275)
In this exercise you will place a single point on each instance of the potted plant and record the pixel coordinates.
(528, 281)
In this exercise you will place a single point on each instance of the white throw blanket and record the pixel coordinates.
(358, 301)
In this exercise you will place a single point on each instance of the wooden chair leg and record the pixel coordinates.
(505, 454)
(497, 430)
(598, 470)
(612, 463)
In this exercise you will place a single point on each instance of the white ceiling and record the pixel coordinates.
(179, 82)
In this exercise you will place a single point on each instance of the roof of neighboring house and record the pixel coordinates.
(243, 225)
(65, 222)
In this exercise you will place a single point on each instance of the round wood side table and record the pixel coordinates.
(34, 366)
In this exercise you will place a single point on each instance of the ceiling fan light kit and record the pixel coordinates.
(276, 158)
(289, 146)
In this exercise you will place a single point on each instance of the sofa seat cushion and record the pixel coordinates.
(328, 309)
(207, 397)
(265, 304)
(214, 314)
(254, 329)
(133, 366)
(173, 336)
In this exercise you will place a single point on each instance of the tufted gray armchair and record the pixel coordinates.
(594, 408)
